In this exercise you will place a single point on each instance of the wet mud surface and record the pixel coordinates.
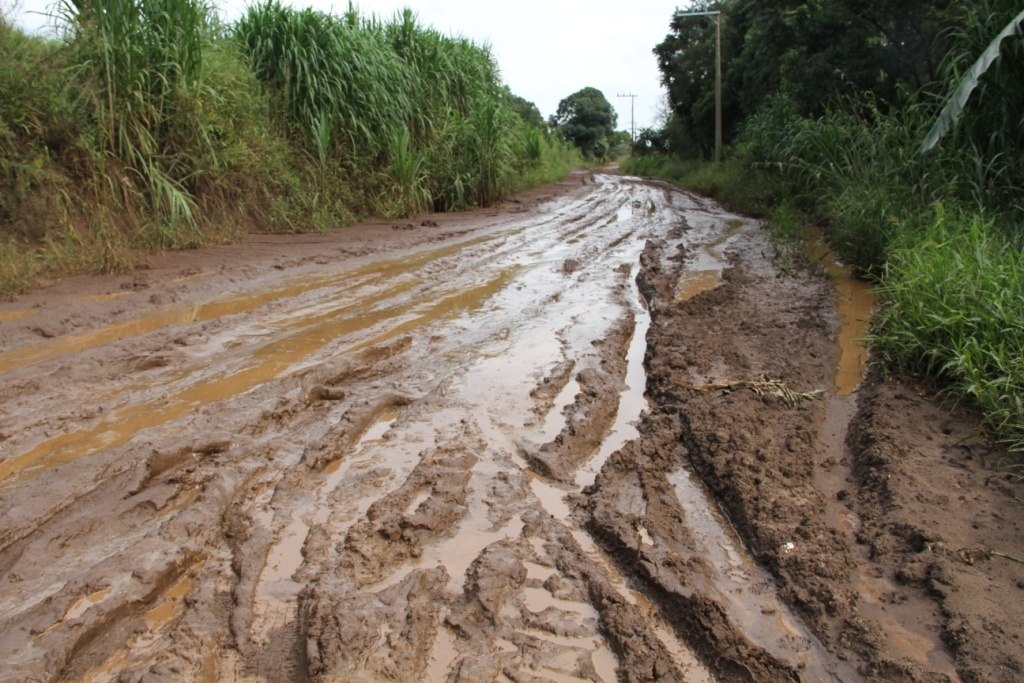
(589, 435)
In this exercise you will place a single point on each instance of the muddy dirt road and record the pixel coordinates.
(593, 435)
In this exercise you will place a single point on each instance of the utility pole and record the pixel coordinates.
(632, 119)
(718, 74)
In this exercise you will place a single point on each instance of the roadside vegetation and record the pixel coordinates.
(149, 125)
(833, 132)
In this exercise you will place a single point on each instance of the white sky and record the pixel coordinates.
(546, 49)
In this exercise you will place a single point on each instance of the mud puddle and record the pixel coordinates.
(855, 304)
(904, 624)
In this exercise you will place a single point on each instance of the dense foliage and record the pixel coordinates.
(828, 104)
(149, 124)
(811, 51)
(587, 120)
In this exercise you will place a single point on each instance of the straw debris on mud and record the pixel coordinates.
(520, 445)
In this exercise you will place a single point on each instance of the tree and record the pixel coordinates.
(812, 50)
(527, 110)
(587, 120)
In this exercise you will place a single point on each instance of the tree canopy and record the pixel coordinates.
(810, 50)
(526, 109)
(587, 120)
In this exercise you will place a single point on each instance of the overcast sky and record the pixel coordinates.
(547, 49)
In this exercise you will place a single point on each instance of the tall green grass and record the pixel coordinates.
(145, 59)
(149, 125)
(420, 111)
(952, 310)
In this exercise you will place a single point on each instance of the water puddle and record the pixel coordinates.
(442, 655)
(78, 608)
(276, 591)
(552, 499)
(83, 604)
(855, 303)
(285, 558)
(605, 663)
(456, 554)
(537, 599)
(632, 400)
(904, 626)
(270, 362)
(694, 282)
(27, 355)
(10, 316)
(741, 584)
(166, 610)
(336, 471)
(170, 605)
(705, 265)
(554, 421)
(466, 300)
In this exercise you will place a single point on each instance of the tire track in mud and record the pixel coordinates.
(410, 496)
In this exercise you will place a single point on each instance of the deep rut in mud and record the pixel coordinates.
(535, 444)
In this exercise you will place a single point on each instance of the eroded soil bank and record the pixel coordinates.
(593, 435)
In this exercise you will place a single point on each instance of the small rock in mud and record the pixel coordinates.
(48, 330)
(137, 283)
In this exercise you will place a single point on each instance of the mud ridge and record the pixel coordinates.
(631, 495)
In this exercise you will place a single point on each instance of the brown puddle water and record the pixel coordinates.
(746, 588)
(903, 626)
(552, 499)
(35, 353)
(632, 400)
(704, 267)
(77, 609)
(170, 606)
(855, 302)
(276, 591)
(8, 316)
(694, 282)
(271, 361)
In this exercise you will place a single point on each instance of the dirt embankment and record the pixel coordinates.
(591, 436)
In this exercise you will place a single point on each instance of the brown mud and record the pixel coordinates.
(589, 435)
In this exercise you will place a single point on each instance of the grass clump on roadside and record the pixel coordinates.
(952, 310)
